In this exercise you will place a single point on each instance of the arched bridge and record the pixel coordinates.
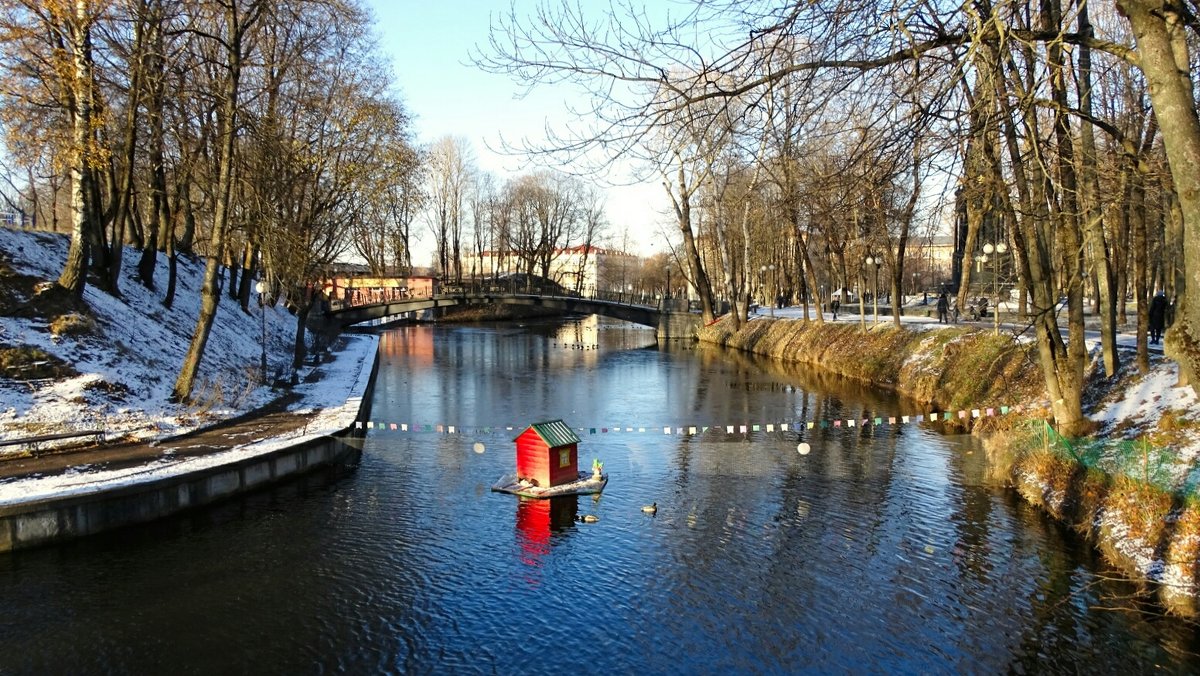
(668, 324)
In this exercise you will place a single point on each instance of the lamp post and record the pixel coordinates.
(261, 288)
(874, 262)
(762, 291)
(773, 299)
(999, 250)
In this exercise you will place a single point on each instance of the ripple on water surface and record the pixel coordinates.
(878, 551)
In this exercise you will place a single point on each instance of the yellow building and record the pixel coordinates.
(588, 270)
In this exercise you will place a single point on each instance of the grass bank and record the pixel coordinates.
(952, 368)
(1141, 526)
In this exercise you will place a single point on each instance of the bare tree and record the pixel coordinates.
(238, 20)
(450, 167)
(52, 71)
(393, 194)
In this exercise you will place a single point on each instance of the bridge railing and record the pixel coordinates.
(372, 296)
(526, 285)
(522, 285)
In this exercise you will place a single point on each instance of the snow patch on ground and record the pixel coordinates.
(128, 366)
(337, 398)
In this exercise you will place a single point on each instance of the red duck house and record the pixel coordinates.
(548, 454)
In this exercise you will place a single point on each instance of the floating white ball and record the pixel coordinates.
(803, 448)
(478, 448)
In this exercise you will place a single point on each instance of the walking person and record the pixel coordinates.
(943, 306)
(1158, 316)
(834, 305)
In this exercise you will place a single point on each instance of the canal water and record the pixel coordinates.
(883, 549)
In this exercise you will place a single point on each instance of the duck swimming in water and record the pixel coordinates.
(650, 508)
(588, 518)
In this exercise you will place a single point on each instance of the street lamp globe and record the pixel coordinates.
(988, 248)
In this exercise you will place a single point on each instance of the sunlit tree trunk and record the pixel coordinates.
(682, 205)
(236, 25)
(1097, 244)
(83, 209)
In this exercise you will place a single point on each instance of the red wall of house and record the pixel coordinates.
(538, 462)
(533, 458)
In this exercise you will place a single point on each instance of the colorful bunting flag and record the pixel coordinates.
(744, 428)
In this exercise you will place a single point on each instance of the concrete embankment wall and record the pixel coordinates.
(55, 519)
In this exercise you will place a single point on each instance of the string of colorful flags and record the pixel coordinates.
(692, 430)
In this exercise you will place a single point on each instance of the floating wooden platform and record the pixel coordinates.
(587, 484)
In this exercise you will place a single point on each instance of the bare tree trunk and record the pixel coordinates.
(124, 190)
(188, 236)
(683, 218)
(210, 291)
(896, 257)
(299, 346)
(160, 219)
(74, 275)
(1032, 238)
(232, 268)
(1101, 260)
(1136, 208)
(249, 272)
(813, 283)
(1068, 408)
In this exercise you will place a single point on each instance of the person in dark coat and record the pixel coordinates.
(943, 307)
(834, 305)
(1158, 316)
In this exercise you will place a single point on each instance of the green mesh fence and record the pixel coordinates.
(1138, 460)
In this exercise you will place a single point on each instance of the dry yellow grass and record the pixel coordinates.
(950, 368)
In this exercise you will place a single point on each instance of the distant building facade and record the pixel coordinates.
(585, 269)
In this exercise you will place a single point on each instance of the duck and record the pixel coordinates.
(589, 518)
(650, 508)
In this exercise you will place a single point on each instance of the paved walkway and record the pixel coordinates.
(270, 420)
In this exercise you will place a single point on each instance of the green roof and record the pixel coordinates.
(555, 433)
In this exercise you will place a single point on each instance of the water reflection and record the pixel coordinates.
(882, 550)
(540, 521)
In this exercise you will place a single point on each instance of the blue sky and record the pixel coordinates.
(429, 44)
